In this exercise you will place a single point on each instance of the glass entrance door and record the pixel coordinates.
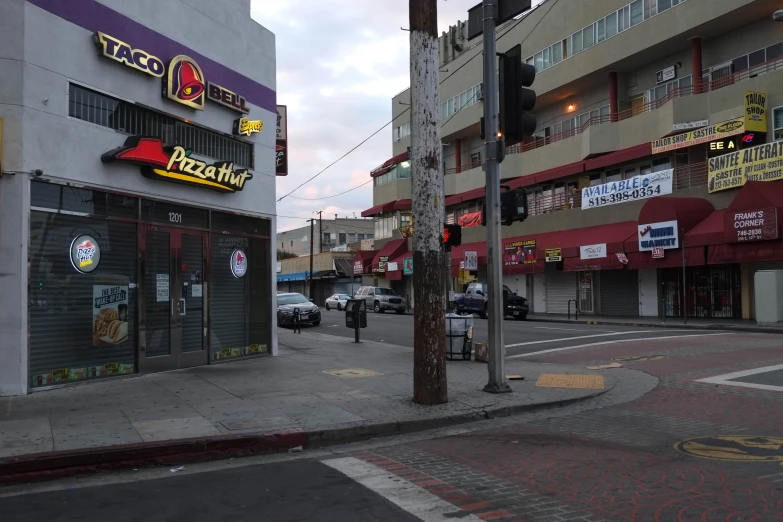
(586, 292)
(174, 306)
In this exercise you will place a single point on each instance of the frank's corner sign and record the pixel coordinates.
(175, 164)
(703, 135)
(732, 170)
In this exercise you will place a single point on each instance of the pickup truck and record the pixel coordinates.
(474, 301)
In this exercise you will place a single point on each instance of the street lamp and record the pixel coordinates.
(778, 15)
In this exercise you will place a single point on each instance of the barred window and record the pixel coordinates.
(129, 118)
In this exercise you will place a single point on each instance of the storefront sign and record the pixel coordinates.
(621, 257)
(658, 253)
(636, 188)
(136, 58)
(383, 261)
(755, 111)
(279, 267)
(718, 147)
(281, 158)
(392, 266)
(554, 255)
(592, 251)
(658, 235)
(520, 252)
(471, 260)
(281, 131)
(245, 127)
(664, 75)
(759, 163)
(358, 268)
(694, 137)
(750, 225)
(161, 288)
(690, 125)
(85, 254)
(226, 98)
(407, 266)
(110, 315)
(175, 164)
(238, 263)
(185, 83)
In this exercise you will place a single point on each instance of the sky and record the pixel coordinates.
(339, 63)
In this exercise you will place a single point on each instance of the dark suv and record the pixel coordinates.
(474, 301)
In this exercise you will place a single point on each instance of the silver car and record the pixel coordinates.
(381, 299)
(337, 301)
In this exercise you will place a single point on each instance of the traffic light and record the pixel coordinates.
(516, 101)
(513, 207)
(452, 235)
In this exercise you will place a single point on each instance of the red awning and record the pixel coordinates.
(694, 256)
(365, 257)
(394, 276)
(388, 164)
(753, 252)
(708, 232)
(620, 156)
(525, 268)
(453, 200)
(472, 194)
(574, 264)
(392, 249)
(402, 204)
(377, 209)
(688, 212)
(613, 234)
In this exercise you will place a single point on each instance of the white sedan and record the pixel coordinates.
(337, 301)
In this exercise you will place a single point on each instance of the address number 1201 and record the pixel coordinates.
(175, 217)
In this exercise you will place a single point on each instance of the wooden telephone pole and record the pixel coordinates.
(429, 338)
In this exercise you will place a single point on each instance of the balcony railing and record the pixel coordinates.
(463, 168)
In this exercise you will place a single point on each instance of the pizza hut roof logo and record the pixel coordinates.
(176, 164)
(185, 82)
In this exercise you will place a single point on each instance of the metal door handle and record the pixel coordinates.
(183, 306)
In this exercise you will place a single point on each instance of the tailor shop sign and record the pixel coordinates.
(703, 135)
(759, 163)
(183, 79)
(175, 164)
(658, 235)
(750, 225)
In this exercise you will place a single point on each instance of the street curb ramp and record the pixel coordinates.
(38, 467)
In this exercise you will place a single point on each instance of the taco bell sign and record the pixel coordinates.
(658, 235)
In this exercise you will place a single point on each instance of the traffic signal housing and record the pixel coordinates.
(452, 235)
(513, 207)
(516, 100)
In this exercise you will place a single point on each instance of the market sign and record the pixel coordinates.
(658, 235)
(643, 186)
(759, 163)
(697, 136)
(471, 260)
(175, 164)
(85, 254)
(756, 111)
(245, 127)
(592, 251)
(358, 268)
(750, 225)
(407, 266)
(554, 255)
(383, 261)
(520, 252)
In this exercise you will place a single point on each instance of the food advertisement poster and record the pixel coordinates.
(519, 252)
(110, 314)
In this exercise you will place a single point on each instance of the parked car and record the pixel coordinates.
(289, 303)
(381, 299)
(337, 301)
(474, 301)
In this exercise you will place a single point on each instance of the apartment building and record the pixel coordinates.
(652, 177)
(328, 234)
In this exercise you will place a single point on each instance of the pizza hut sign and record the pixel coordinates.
(750, 225)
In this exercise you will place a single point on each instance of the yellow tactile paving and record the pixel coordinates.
(560, 380)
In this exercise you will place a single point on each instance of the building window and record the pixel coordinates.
(341, 238)
(475, 157)
(614, 175)
(611, 25)
(352, 237)
(129, 118)
(777, 122)
(588, 36)
(361, 237)
(327, 239)
(461, 101)
(576, 44)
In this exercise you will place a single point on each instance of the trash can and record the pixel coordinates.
(459, 337)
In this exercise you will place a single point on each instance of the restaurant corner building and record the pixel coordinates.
(137, 146)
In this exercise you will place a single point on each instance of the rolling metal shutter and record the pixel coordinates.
(620, 292)
(229, 308)
(560, 287)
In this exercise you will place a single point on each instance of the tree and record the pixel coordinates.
(282, 254)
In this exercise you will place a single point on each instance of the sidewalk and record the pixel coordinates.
(260, 405)
(742, 325)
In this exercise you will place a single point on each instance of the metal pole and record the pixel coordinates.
(497, 379)
(449, 282)
(321, 230)
(684, 300)
(310, 276)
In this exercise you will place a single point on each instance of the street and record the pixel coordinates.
(705, 444)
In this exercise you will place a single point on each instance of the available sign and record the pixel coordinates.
(471, 260)
(636, 188)
(759, 163)
(694, 137)
(750, 225)
(519, 252)
(658, 235)
(553, 255)
(592, 251)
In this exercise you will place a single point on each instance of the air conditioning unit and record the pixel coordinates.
(480, 96)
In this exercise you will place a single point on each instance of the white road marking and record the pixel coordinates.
(581, 337)
(773, 475)
(571, 329)
(408, 496)
(726, 378)
(616, 341)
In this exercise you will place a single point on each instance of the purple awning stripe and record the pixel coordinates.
(94, 16)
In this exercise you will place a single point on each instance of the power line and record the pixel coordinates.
(333, 196)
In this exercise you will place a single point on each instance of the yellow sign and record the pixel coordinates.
(703, 135)
(759, 163)
(554, 255)
(245, 127)
(755, 111)
(743, 448)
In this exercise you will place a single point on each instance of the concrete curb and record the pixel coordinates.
(715, 327)
(60, 464)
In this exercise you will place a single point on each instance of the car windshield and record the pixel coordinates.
(343, 296)
(507, 289)
(384, 291)
(291, 299)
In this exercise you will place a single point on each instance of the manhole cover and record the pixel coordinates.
(744, 448)
(352, 372)
(560, 380)
(640, 358)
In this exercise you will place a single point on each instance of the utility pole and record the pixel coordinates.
(497, 379)
(321, 229)
(429, 322)
(310, 276)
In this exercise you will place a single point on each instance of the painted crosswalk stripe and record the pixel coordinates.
(584, 337)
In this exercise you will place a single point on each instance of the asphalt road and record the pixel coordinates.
(521, 337)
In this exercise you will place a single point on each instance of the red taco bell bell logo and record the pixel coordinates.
(185, 82)
(238, 263)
